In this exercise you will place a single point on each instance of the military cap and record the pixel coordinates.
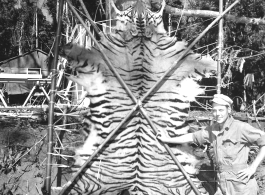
(222, 100)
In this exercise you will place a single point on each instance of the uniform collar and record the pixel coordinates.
(227, 124)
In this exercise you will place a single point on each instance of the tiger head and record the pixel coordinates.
(139, 20)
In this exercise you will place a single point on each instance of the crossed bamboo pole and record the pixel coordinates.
(90, 19)
(138, 103)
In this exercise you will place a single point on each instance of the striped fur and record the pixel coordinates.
(134, 159)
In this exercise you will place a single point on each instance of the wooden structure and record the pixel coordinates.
(29, 75)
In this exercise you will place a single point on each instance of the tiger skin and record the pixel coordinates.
(134, 159)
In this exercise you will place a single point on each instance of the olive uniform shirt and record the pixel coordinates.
(231, 146)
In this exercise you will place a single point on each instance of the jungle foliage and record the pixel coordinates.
(243, 47)
(17, 28)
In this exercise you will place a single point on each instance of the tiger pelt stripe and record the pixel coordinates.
(134, 159)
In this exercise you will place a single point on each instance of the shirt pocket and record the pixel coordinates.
(237, 187)
(230, 148)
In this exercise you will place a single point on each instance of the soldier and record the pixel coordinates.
(231, 140)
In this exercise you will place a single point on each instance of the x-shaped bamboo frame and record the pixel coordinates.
(138, 103)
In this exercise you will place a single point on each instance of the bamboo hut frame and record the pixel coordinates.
(138, 103)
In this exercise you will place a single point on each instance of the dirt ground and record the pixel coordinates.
(23, 152)
(23, 158)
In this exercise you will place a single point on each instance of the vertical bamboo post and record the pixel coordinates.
(59, 158)
(244, 92)
(220, 47)
(36, 28)
(109, 16)
(47, 181)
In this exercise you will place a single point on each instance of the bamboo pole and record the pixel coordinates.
(36, 28)
(61, 134)
(195, 189)
(59, 158)
(47, 181)
(255, 114)
(90, 19)
(173, 67)
(220, 48)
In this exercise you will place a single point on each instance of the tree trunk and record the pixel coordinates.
(209, 14)
(20, 36)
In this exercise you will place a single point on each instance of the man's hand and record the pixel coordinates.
(246, 173)
(187, 138)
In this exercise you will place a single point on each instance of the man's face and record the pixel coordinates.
(220, 112)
